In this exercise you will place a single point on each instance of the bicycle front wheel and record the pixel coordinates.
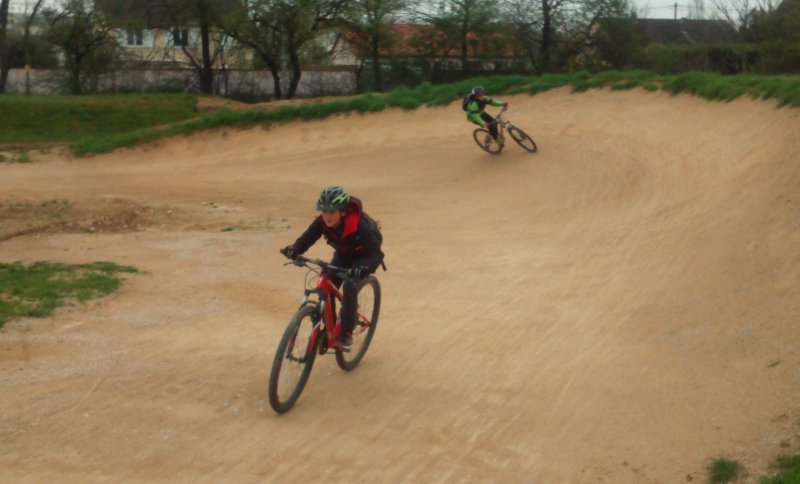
(486, 142)
(369, 306)
(293, 360)
(522, 139)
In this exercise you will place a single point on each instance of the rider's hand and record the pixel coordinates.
(290, 252)
(359, 272)
(505, 104)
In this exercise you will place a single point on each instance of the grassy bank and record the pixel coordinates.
(53, 119)
(37, 289)
(97, 124)
(783, 89)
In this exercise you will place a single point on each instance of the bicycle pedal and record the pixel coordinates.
(341, 348)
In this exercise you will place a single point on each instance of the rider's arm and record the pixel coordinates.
(309, 237)
(493, 102)
(371, 248)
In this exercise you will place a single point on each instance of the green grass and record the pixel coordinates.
(788, 471)
(49, 119)
(37, 289)
(723, 470)
(97, 124)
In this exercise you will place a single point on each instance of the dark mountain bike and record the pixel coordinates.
(314, 328)
(490, 145)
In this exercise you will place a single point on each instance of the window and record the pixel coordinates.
(134, 37)
(180, 37)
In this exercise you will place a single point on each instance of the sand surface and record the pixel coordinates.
(621, 306)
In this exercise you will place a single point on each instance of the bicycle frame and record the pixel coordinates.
(501, 123)
(324, 290)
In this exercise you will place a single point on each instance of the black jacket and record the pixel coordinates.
(358, 239)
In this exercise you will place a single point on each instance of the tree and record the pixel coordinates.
(206, 15)
(462, 21)
(535, 23)
(4, 65)
(742, 13)
(368, 29)
(26, 41)
(86, 41)
(254, 23)
(616, 41)
(301, 21)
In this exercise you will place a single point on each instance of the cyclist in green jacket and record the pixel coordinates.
(475, 105)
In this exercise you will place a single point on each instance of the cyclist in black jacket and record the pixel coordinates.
(356, 240)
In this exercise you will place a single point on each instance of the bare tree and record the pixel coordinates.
(26, 37)
(697, 9)
(84, 38)
(741, 13)
(535, 23)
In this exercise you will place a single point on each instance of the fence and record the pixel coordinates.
(237, 83)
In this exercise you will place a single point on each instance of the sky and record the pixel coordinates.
(666, 8)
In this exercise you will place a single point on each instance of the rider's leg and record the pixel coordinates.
(490, 123)
(350, 295)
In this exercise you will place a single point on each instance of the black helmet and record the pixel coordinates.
(478, 90)
(333, 198)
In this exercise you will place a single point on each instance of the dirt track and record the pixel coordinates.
(620, 307)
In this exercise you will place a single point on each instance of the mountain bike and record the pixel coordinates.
(314, 328)
(484, 138)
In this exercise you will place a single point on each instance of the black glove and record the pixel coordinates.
(359, 272)
(290, 252)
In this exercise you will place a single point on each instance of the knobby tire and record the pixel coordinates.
(293, 360)
(369, 304)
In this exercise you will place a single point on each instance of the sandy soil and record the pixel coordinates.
(620, 307)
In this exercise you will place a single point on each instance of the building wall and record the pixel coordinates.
(138, 46)
(234, 82)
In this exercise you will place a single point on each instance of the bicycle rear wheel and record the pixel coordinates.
(369, 306)
(522, 139)
(486, 142)
(293, 360)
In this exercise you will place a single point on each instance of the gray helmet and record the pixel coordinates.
(478, 90)
(333, 198)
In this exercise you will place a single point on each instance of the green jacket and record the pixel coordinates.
(475, 109)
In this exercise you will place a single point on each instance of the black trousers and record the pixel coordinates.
(349, 291)
(490, 123)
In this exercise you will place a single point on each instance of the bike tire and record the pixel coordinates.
(292, 364)
(522, 139)
(488, 144)
(369, 294)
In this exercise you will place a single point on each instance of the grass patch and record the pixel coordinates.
(723, 470)
(37, 289)
(23, 157)
(788, 471)
(97, 124)
(53, 119)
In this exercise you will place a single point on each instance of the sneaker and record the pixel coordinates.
(345, 341)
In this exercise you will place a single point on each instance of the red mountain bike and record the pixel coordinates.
(485, 140)
(314, 329)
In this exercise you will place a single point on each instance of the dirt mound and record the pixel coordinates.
(62, 216)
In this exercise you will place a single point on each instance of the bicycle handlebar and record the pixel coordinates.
(302, 261)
